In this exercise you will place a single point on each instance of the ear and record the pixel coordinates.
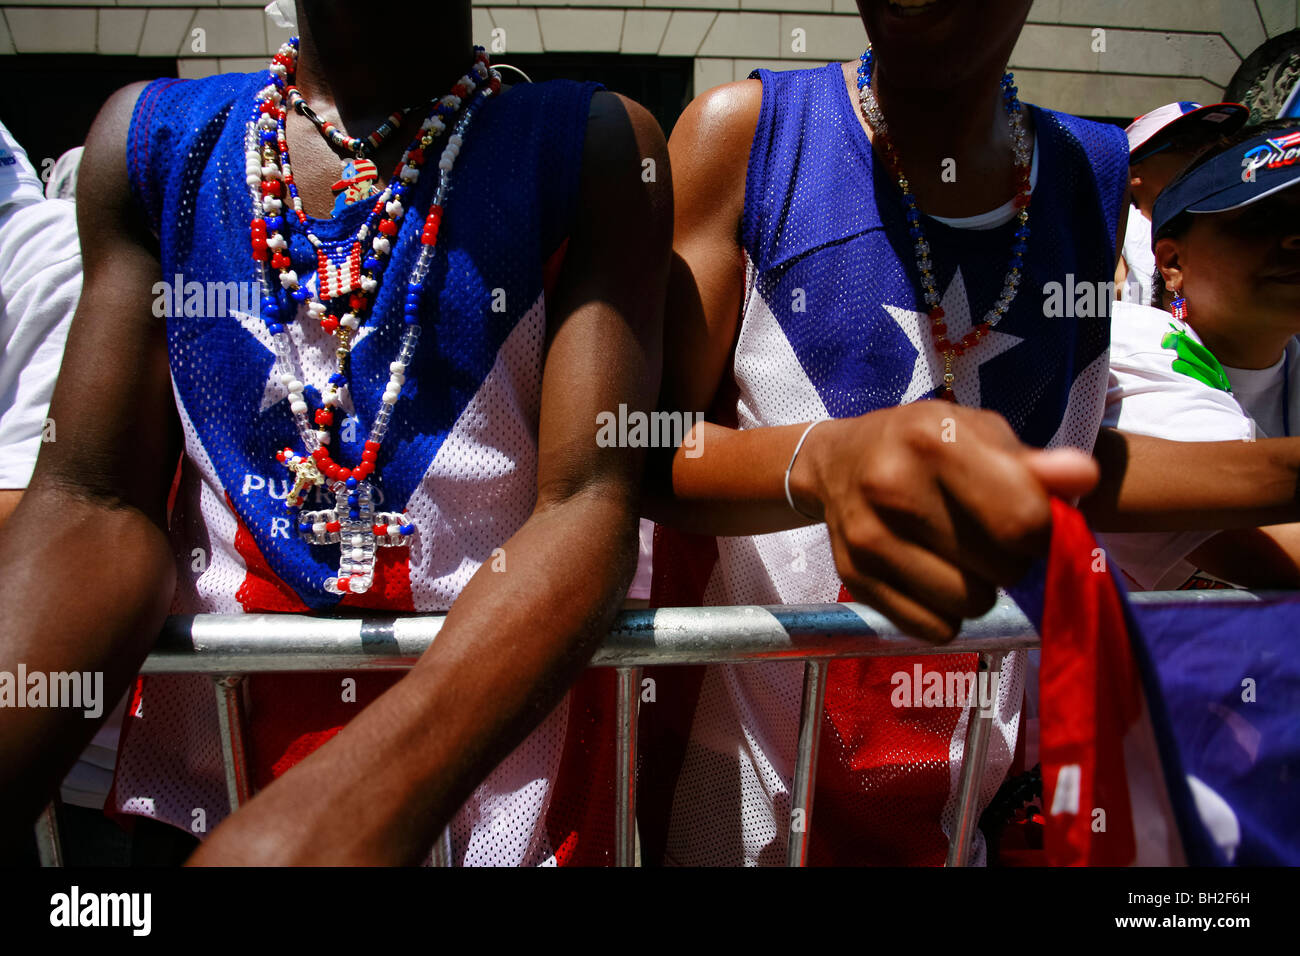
(1167, 252)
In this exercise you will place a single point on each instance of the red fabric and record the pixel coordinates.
(391, 589)
(580, 821)
(551, 270)
(1091, 699)
(683, 563)
(124, 820)
(262, 589)
(883, 773)
(290, 715)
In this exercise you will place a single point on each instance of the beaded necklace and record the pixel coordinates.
(356, 145)
(1022, 154)
(359, 529)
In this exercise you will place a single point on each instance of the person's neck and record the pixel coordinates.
(428, 52)
(966, 124)
(1246, 347)
(1145, 202)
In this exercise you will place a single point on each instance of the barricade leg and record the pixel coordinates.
(629, 696)
(442, 849)
(48, 846)
(805, 765)
(974, 757)
(234, 756)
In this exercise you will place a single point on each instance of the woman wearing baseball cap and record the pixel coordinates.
(1219, 358)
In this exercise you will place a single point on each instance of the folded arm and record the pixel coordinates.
(85, 554)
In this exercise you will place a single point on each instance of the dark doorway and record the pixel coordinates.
(662, 84)
(48, 101)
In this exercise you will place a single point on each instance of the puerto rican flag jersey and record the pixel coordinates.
(460, 455)
(834, 325)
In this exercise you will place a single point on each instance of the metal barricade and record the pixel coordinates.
(227, 647)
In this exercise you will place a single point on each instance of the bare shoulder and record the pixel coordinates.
(619, 130)
(106, 142)
(103, 187)
(713, 136)
(625, 161)
(614, 110)
(726, 114)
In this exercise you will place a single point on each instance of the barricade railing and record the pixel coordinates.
(228, 647)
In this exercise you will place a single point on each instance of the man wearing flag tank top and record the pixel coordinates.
(400, 418)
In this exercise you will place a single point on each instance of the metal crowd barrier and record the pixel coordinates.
(228, 647)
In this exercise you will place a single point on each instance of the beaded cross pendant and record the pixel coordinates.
(358, 529)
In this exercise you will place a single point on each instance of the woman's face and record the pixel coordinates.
(1243, 258)
(933, 44)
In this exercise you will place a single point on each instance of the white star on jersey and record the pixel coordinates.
(927, 372)
(314, 351)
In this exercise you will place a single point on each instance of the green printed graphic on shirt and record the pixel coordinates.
(1195, 360)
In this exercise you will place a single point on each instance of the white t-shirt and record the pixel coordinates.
(640, 589)
(40, 283)
(19, 184)
(1148, 396)
(1140, 259)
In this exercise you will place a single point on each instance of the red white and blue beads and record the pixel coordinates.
(1022, 153)
(359, 146)
(357, 528)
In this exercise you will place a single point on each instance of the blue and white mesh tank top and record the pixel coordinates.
(460, 455)
(834, 325)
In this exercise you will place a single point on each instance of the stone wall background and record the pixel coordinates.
(1155, 51)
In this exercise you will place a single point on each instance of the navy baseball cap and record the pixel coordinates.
(1238, 176)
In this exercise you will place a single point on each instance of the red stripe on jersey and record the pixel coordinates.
(262, 589)
(551, 269)
(683, 564)
(391, 589)
(883, 773)
(125, 820)
(580, 820)
(290, 715)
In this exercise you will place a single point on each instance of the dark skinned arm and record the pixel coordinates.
(1261, 558)
(9, 499)
(1151, 484)
(85, 553)
(382, 790)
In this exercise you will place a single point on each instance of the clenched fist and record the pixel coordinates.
(931, 506)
